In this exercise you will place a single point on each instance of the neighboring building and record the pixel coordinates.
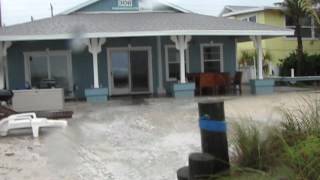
(133, 47)
(279, 47)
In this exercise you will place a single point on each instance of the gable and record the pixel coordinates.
(112, 5)
(124, 5)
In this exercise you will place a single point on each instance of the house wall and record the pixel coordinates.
(278, 47)
(112, 5)
(82, 65)
(108, 5)
(229, 53)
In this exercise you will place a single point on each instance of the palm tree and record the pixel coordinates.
(297, 10)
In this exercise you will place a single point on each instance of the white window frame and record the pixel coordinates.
(47, 53)
(246, 18)
(167, 61)
(221, 60)
(111, 89)
(313, 27)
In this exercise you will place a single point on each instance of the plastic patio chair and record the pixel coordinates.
(28, 120)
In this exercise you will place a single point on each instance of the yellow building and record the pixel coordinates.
(281, 47)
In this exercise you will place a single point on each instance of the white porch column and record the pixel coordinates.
(160, 73)
(258, 45)
(3, 67)
(181, 43)
(94, 46)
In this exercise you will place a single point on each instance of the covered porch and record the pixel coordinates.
(131, 55)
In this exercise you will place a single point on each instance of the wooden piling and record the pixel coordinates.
(213, 133)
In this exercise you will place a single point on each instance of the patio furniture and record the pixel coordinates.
(5, 95)
(194, 77)
(5, 112)
(208, 81)
(225, 82)
(38, 100)
(237, 81)
(28, 120)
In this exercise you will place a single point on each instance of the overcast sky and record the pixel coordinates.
(18, 11)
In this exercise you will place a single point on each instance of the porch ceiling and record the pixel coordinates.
(135, 25)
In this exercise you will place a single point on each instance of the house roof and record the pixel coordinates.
(237, 10)
(134, 25)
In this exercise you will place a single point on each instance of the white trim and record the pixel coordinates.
(153, 33)
(89, 2)
(94, 47)
(123, 12)
(221, 60)
(79, 6)
(128, 49)
(236, 50)
(246, 18)
(166, 47)
(48, 53)
(313, 28)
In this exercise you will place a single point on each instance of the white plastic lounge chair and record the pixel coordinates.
(28, 120)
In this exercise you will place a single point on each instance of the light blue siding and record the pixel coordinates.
(229, 53)
(108, 5)
(111, 5)
(82, 65)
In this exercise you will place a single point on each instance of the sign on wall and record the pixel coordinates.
(125, 5)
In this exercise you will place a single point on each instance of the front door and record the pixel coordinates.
(119, 72)
(129, 71)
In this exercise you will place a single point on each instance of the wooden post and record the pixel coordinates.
(183, 173)
(201, 166)
(213, 133)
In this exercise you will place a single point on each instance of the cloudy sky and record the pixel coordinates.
(18, 11)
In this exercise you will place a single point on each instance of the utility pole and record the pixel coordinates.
(51, 8)
(0, 14)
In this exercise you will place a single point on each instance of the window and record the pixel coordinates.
(212, 58)
(308, 27)
(173, 62)
(250, 19)
(44, 68)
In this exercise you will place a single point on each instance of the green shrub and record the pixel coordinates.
(254, 150)
(288, 151)
(304, 158)
(247, 58)
(311, 65)
(299, 123)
